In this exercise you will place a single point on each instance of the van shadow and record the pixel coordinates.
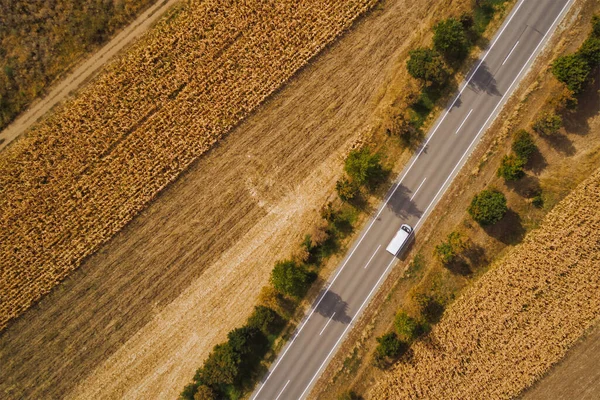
(332, 306)
(401, 204)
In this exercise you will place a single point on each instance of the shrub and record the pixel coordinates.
(548, 123)
(450, 40)
(328, 212)
(572, 70)
(427, 65)
(403, 127)
(346, 190)
(488, 207)
(266, 320)
(364, 167)
(205, 393)
(407, 327)
(511, 168)
(447, 251)
(389, 346)
(590, 51)
(290, 279)
(188, 391)
(596, 25)
(348, 395)
(523, 144)
(431, 308)
(537, 201)
(221, 367)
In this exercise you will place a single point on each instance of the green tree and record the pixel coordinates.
(430, 307)
(511, 168)
(205, 393)
(523, 144)
(221, 367)
(364, 167)
(290, 279)
(572, 70)
(407, 327)
(590, 51)
(189, 391)
(246, 340)
(548, 123)
(447, 251)
(389, 346)
(450, 39)
(266, 320)
(346, 189)
(596, 25)
(427, 65)
(488, 207)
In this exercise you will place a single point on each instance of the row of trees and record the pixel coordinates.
(233, 366)
(574, 70)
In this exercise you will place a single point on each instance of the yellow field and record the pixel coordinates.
(518, 319)
(83, 173)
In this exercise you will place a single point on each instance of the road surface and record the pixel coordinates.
(420, 186)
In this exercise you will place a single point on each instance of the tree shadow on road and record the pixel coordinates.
(401, 204)
(332, 306)
(484, 81)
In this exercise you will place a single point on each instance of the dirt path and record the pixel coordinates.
(84, 72)
(137, 318)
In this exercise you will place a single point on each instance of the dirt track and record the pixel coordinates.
(144, 311)
(83, 72)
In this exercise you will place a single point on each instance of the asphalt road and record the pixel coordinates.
(418, 189)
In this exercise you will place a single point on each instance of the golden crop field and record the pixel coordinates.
(518, 319)
(80, 175)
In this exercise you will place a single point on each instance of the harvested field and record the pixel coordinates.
(141, 314)
(517, 320)
(78, 177)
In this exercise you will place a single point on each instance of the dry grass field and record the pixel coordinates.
(517, 320)
(78, 177)
(41, 40)
(141, 314)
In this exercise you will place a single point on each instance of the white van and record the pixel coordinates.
(400, 239)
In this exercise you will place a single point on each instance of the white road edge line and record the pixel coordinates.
(280, 393)
(370, 259)
(508, 91)
(513, 49)
(552, 26)
(349, 325)
(328, 321)
(391, 194)
(464, 120)
(415, 193)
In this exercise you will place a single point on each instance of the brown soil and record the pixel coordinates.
(577, 376)
(138, 317)
(558, 169)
